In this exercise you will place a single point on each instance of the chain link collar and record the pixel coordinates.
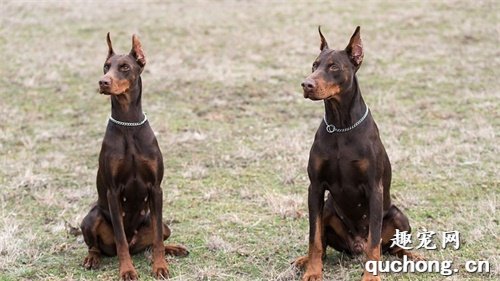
(129, 124)
(330, 128)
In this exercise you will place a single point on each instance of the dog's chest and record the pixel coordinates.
(346, 162)
(133, 161)
(345, 169)
(347, 182)
(135, 196)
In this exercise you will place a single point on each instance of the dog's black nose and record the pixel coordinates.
(104, 82)
(308, 85)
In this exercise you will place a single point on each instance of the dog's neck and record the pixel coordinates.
(127, 106)
(348, 108)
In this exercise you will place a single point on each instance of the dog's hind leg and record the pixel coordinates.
(98, 235)
(143, 238)
(395, 219)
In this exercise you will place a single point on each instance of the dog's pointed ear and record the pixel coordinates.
(137, 51)
(355, 48)
(110, 46)
(324, 44)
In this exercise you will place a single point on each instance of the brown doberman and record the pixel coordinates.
(348, 159)
(128, 215)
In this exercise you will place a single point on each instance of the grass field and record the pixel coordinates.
(222, 92)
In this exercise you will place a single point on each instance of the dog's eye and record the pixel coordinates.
(334, 67)
(106, 67)
(315, 65)
(124, 68)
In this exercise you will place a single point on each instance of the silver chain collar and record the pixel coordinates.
(129, 124)
(330, 128)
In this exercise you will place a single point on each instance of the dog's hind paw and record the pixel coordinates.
(92, 261)
(300, 262)
(415, 257)
(176, 250)
(410, 255)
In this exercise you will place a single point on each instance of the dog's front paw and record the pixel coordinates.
(370, 277)
(160, 270)
(176, 250)
(312, 276)
(128, 273)
(314, 268)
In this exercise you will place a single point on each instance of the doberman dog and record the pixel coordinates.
(127, 217)
(348, 159)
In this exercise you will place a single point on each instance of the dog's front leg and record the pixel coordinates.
(160, 266)
(316, 201)
(373, 247)
(127, 270)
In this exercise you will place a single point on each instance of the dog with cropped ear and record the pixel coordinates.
(127, 217)
(348, 159)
